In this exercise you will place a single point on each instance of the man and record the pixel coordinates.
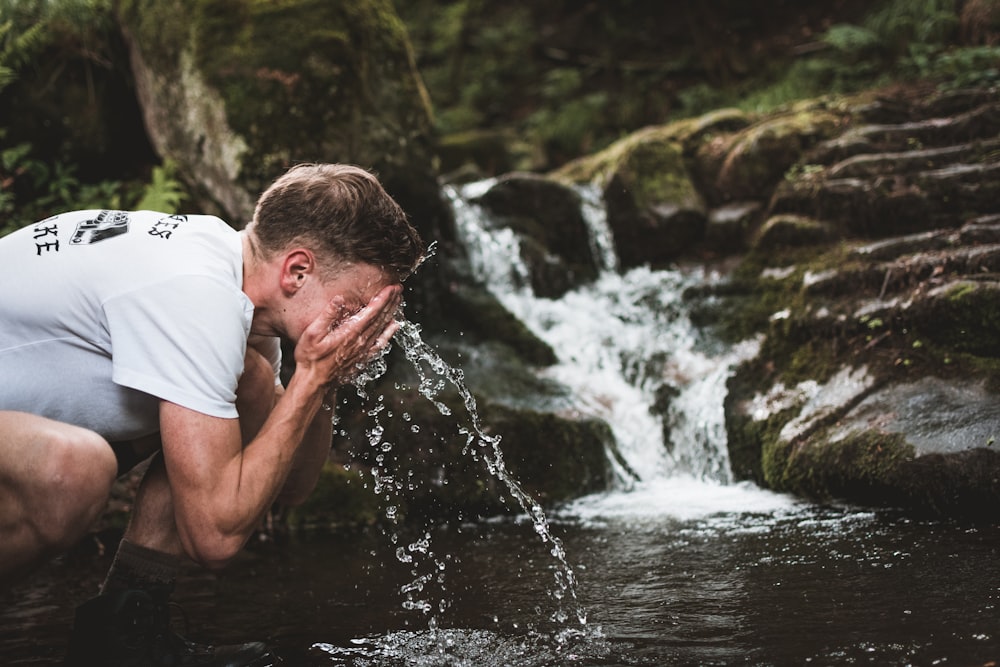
(129, 333)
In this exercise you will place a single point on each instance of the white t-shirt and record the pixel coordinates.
(105, 313)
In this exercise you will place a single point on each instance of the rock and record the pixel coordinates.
(729, 226)
(654, 210)
(876, 380)
(549, 217)
(751, 162)
(475, 312)
(789, 231)
(425, 463)
(652, 189)
(291, 82)
(927, 445)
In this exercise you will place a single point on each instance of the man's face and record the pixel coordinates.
(355, 285)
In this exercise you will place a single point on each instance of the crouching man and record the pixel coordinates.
(134, 334)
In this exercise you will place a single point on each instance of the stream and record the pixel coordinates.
(678, 564)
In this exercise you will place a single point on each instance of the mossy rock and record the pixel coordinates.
(548, 216)
(962, 315)
(236, 91)
(752, 161)
(478, 314)
(791, 231)
(655, 212)
(689, 133)
(423, 458)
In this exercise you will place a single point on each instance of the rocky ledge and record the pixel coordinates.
(865, 233)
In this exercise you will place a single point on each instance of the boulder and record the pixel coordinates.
(234, 92)
(655, 212)
(548, 217)
(652, 189)
(424, 459)
(749, 163)
(929, 445)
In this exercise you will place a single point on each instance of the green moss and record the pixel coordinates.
(860, 466)
(965, 318)
(655, 172)
(341, 498)
(298, 79)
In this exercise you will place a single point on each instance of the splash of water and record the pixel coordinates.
(434, 375)
(431, 369)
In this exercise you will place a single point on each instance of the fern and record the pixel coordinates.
(164, 192)
(17, 45)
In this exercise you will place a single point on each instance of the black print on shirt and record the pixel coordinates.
(107, 225)
(164, 227)
(46, 235)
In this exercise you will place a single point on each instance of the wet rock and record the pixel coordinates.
(291, 82)
(927, 445)
(476, 312)
(984, 229)
(424, 463)
(549, 218)
(656, 208)
(783, 231)
(755, 159)
(729, 226)
(876, 379)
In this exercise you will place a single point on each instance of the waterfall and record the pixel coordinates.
(619, 340)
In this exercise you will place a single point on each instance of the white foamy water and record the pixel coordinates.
(621, 341)
(681, 498)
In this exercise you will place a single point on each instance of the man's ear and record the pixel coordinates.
(296, 269)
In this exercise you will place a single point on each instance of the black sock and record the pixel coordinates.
(137, 567)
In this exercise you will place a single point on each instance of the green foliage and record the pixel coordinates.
(33, 187)
(56, 188)
(851, 39)
(21, 37)
(968, 67)
(900, 39)
(898, 24)
(566, 121)
(164, 193)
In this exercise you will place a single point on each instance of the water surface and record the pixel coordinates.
(689, 574)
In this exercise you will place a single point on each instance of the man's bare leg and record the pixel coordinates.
(54, 483)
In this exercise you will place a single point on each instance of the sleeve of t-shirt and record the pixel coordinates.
(181, 340)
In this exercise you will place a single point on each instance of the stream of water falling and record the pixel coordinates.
(620, 341)
(433, 372)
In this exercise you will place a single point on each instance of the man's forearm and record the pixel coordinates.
(310, 457)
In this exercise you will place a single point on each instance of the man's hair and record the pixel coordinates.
(342, 213)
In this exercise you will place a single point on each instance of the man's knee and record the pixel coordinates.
(72, 484)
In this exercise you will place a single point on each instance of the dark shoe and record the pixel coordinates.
(132, 629)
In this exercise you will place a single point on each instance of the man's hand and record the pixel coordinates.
(338, 344)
